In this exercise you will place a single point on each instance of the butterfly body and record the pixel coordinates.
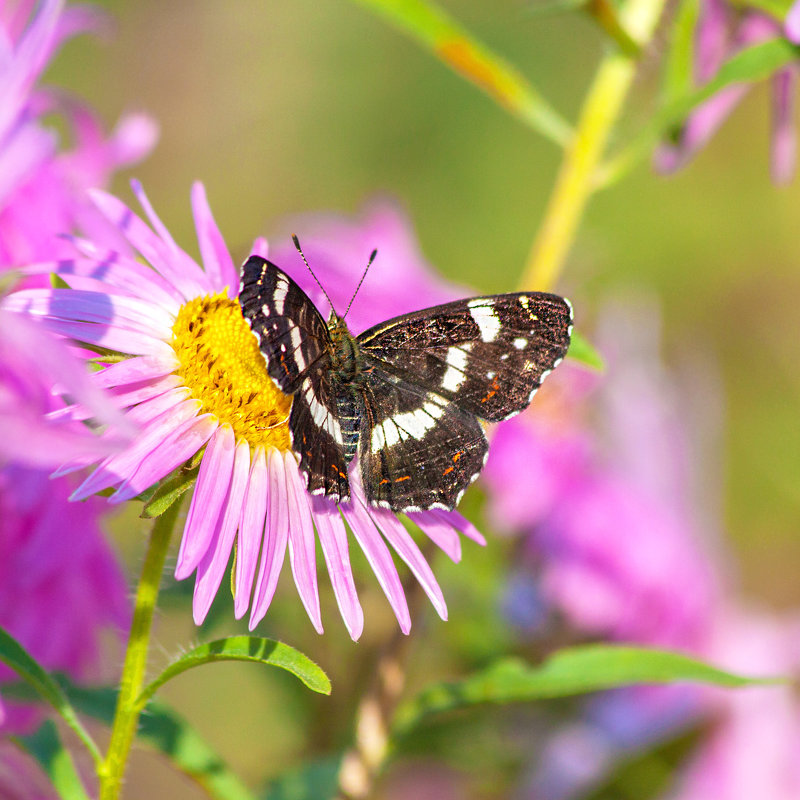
(404, 396)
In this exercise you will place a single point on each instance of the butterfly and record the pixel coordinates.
(405, 396)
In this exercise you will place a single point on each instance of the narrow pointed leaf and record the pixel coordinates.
(315, 780)
(244, 648)
(581, 350)
(752, 64)
(46, 747)
(170, 734)
(169, 492)
(15, 655)
(435, 30)
(679, 67)
(569, 672)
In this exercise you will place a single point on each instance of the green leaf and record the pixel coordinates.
(316, 780)
(169, 492)
(244, 648)
(752, 64)
(165, 730)
(15, 655)
(435, 30)
(174, 736)
(568, 672)
(46, 747)
(581, 350)
(679, 68)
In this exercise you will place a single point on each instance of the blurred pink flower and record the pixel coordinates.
(723, 30)
(32, 363)
(43, 188)
(60, 585)
(605, 502)
(753, 746)
(195, 382)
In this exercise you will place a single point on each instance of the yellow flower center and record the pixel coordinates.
(221, 364)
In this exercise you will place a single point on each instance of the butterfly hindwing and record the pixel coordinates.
(418, 450)
(295, 342)
(487, 355)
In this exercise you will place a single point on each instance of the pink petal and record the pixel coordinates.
(117, 270)
(407, 549)
(273, 551)
(251, 532)
(54, 360)
(302, 544)
(216, 258)
(439, 532)
(260, 247)
(792, 23)
(122, 466)
(117, 339)
(147, 243)
(333, 538)
(129, 313)
(134, 370)
(182, 260)
(178, 447)
(377, 553)
(460, 523)
(25, 440)
(210, 491)
(214, 562)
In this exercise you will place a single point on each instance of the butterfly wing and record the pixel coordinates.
(418, 450)
(487, 355)
(296, 345)
(430, 374)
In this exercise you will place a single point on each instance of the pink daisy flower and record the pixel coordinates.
(196, 383)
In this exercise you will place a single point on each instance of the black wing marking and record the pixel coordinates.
(296, 345)
(488, 355)
(418, 450)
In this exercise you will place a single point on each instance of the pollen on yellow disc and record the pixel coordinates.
(222, 366)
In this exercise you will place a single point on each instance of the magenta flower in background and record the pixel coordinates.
(607, 515)
(32, 363)
(60, 585)
(43, 188)
(753, 746)
(722, 30)
(195, 379)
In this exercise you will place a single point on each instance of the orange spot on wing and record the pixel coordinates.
(448, 470)
(404, 478)
(457, 456)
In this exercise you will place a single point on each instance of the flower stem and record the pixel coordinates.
(576, 178)
(127, 713)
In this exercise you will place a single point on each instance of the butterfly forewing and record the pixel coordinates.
(296, 345)
(487, 355)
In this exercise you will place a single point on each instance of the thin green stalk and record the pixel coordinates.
(126, 717)
(576, 179)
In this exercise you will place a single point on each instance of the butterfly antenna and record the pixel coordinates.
(302, 255)
(364, 275)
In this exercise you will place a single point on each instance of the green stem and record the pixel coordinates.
(576, 179)
(127, 713)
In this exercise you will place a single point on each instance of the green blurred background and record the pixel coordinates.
(299, 106)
